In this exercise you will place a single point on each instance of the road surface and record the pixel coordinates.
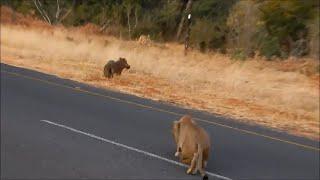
(56, 128)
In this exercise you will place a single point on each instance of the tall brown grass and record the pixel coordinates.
(279, 94)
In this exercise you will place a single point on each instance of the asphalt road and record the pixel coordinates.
(56, 128)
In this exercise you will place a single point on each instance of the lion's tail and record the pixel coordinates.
(199, 163)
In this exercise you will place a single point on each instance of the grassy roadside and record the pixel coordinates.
(280, 94)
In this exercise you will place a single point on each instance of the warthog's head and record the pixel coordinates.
(124, 63)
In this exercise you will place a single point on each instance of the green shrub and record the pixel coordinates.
(239, 54)
(269, 47)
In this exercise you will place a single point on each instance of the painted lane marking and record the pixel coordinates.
(128, 147)
(166, 111)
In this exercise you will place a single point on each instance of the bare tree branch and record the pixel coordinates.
(129, 25)
(35, 3)
(58, 11)
(136, 16)
(42, 13)
(68, 12)
(105, 25)
(128, 7)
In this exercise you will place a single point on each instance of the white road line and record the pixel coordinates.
(128, 147)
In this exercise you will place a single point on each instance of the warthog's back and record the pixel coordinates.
(108, 67)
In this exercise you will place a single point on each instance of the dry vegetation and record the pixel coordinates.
(280, 94)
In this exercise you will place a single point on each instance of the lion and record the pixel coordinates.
(193, 145)
(115, 67)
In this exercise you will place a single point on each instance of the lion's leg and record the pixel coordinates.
(199, 163)
(192, 169)
(199, 160)
(178, 152)
(179, 146)
(185, 160)
(204, 164)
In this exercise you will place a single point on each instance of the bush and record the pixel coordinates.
(272, 26)
(314, 34)
(238, 54)
(270, 47)
(205, 35)
(283, 21)
(242, 23)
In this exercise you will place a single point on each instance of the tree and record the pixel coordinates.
(209, 29)
(284, 22)
(183, 17)
(314, 33)
(53, 17)
(42, 12)
(243, 23)
(274, 27)
(128, 6)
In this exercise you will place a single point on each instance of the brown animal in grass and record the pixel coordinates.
(115, 67)
(193, 145)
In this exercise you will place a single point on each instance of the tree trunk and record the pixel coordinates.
(182, 21)
(136, 16)
(104, 26)
(67, 13)
(58, 11)
(42, 12)
(128, 17)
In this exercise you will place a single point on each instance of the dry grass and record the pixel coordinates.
(282, 95)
